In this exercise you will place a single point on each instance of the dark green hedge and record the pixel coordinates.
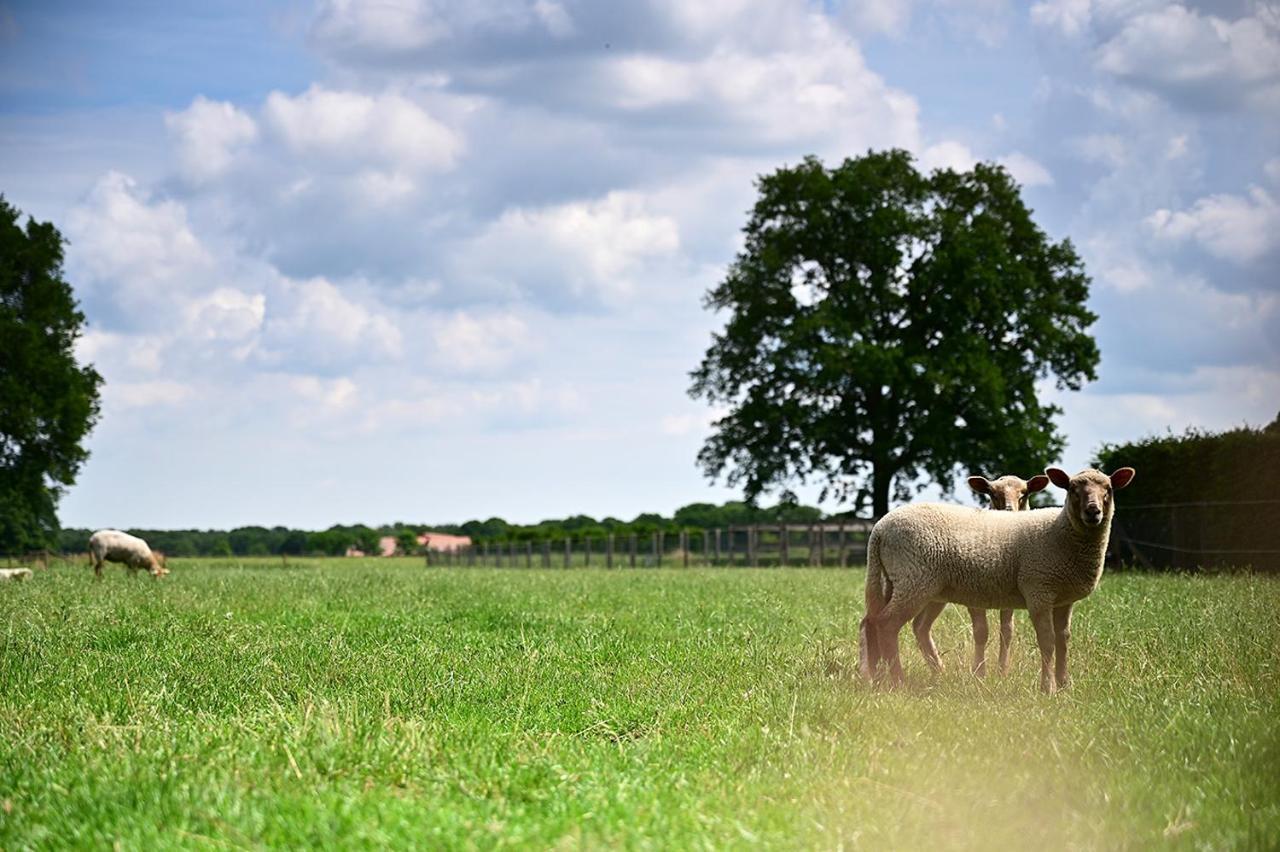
(1199, 494)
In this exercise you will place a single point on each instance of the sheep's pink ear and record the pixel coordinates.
(1122, 477)
(1039, 482)
(1058, 477)
(980, 484)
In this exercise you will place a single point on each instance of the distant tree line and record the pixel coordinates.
(334, 541)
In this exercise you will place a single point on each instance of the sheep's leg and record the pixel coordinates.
(97, 567)
(868, 647)
(922, 626)
(1062, 632)
(1042, 618)
(888, 625)
(1006, 638)
(980, 634)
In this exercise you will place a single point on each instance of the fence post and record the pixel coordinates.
(586, 551)
(631, 546)
(658, 544)
(728, 546)
(608, 551)
(822, 544)
(684, 546)
(840, 554)
(784, 545)
(568, 553)
(753, 543)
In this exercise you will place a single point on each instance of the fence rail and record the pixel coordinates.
(756, 545)
(1202, 534)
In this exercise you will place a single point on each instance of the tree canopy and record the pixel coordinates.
(884, 325)
(48, 402)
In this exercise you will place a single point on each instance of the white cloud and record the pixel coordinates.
(815, 90)
(1070, 17)
(338, 394)
(393, 25)
(312, 325)
(349, 128)
(125, 395)
(1234, 228)
(208, 135)
(948, 154)
(583, 250)
(138, 256)
(877, 16)
(1204, 58)
(470, 343)
(554, 17)
(1108, 149)
(225, 314)
(1025, 170)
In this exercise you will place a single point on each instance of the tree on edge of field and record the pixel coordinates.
(883, 325)
(48, 402)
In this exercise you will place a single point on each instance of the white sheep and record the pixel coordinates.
(15, 574)
(1042, 560)
(133, 552)
(1008, 494)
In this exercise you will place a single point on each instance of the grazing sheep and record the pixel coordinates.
(133, 552)
(1042, 560)
(15, 573)
(1009, 494)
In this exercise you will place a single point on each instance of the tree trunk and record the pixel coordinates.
(881, 479)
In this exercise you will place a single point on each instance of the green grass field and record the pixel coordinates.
(353, 703)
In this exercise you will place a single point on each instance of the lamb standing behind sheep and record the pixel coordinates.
(1008, 494)
(133, 552)
(15, 574)
(1042, 560)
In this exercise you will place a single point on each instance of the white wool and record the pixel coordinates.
(117, 546)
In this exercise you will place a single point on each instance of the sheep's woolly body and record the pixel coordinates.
(992, 560)
(117, 546)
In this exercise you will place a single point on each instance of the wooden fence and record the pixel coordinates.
(757, 545)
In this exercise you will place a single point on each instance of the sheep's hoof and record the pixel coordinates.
(980, 670)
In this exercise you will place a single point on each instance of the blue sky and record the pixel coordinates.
(420, 260)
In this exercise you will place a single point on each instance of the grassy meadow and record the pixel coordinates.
(354, 703)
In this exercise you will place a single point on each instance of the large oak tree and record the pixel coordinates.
(48, 402)
(886, 326)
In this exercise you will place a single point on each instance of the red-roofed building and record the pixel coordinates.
(431, 540)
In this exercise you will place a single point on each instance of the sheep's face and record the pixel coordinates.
(1090, 493)
(1009, 493)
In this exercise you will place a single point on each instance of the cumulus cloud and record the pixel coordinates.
(1201, 60)
(137, 255)
(582, 251)
(1070, 17)
(468, 342)
(125, 395)
(1025, 170)
(208, 135)
(349, 127)
(312, 325)
(1240, 229)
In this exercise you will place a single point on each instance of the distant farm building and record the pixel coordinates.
(430, 540)
(444, 541)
